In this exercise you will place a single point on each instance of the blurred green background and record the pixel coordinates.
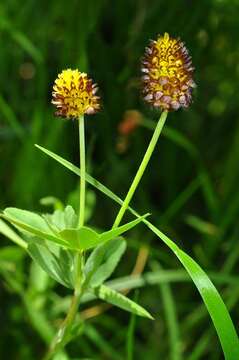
(190, 187)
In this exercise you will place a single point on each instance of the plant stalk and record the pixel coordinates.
(83, 170)
(65, 329)
(141, 169)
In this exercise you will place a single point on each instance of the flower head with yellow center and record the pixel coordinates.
(74, 94)
(167, 74)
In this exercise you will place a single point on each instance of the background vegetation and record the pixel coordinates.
(191, 186)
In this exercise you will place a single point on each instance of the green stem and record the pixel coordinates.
(142, 168)
(64, 331)
(83, 170)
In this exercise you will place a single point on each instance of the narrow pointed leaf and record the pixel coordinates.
(103, 260)
(45, 260)
(28, 226)
(58, 267)
(212, 299)
(115, 298)
(108, 235)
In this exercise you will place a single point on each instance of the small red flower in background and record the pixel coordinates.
(131, 120)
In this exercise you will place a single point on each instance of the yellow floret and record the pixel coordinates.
(74, 94)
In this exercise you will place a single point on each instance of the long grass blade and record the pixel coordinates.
(213, 301)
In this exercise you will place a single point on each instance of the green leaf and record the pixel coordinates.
(103, 260)
(55, 228)
(108, 235)
(213, 301)
(85, 238)
(77, 171)
(70, 217)
(31, 223)
(90, 202)
(11, 234)
(80, 239)
(38, 280)
(56, 262)
(27, 217)
(62, 219)
(115, 298)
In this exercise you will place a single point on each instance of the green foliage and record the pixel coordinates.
(57, 262)
(191, 187)
(115, 298)
(103, 261)
(211, 297)
(32, 224)
(57, 228)
(9, 233)
(54, 244)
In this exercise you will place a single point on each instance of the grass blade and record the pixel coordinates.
(131, 335)
(170, 317)
(10, 117)
(11, 234)
(213, 301)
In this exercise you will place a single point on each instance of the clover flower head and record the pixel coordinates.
(74, 94)
(167, 74)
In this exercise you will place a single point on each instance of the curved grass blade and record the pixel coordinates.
(213, 301)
